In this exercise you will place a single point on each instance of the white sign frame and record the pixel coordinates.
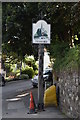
(41, 32)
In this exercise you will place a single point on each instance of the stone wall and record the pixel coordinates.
(69, 84)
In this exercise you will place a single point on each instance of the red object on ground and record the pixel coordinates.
(32, 104)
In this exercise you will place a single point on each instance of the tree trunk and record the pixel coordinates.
(20, 68)
(2, 64)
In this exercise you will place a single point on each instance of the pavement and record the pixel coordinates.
(0, 103)
(18, 107)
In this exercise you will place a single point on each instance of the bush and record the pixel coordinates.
(8, 67)
(70, 60)
(17, 71)
(36, 72)
(24, 76)
(29, 71)
(35, 66)
(17, 75)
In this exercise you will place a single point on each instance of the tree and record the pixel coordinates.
(17, 24)
(17, 27)
(17, 21)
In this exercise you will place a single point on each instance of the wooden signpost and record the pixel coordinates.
(41, 36)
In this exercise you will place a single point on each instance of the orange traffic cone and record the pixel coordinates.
(32, 104)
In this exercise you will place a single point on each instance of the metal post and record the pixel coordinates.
(40, 81)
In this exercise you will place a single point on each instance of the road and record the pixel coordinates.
(13, 87)
(15, 91)
(16, 102)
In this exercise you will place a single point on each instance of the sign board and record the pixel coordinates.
(41, 32)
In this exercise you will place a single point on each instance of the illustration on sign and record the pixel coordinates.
(41, 32)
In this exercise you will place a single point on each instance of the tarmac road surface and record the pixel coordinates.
(15, 86)
(16, 100)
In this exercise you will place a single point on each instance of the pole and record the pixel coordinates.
(40, 76)
(40, 81)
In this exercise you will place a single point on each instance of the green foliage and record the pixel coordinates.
(17, 72)
(36, 72)
(35, 66)
(29, 71)
(59, 49)
(8, 67)
(71, 59)
(30, 61)
(17, 21)
(29, 66)
(24, 76)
